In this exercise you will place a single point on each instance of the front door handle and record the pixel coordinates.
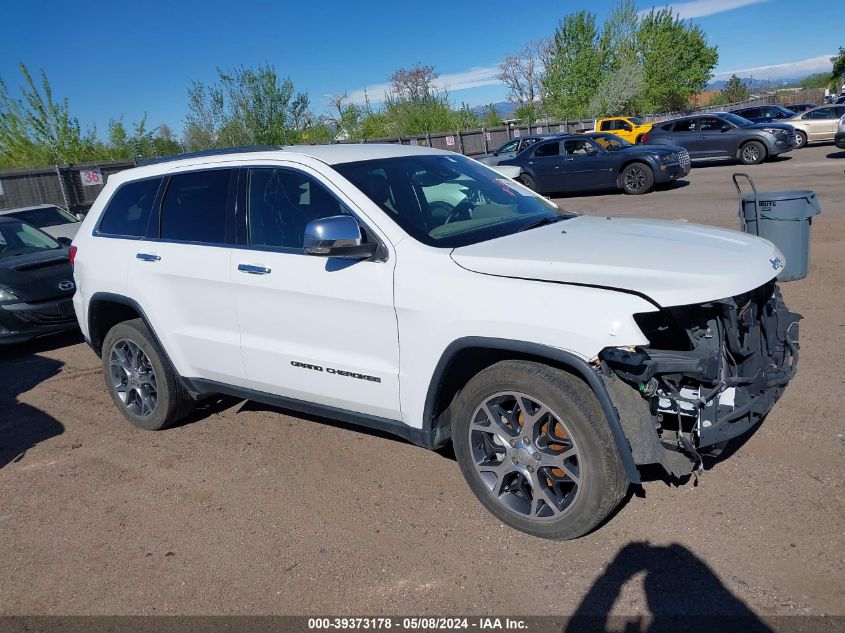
(253, 270)
(147, 257)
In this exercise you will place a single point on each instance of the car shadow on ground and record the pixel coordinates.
(658, 188)
(837, 154)
(681, 591)
(703, 163)
(252, 405)
(23, 426)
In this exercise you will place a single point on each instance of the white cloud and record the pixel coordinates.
(703, 8)
(475, 77)
(809, 66)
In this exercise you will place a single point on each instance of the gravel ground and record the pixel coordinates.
(247, 509)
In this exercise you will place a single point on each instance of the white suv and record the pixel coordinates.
(556, 352)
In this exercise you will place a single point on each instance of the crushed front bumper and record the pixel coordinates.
(711, 372)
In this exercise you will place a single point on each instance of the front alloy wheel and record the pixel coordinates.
(525, 455)
(535, 447)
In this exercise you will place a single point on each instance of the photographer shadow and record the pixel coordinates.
(23, 426)
(682, 593)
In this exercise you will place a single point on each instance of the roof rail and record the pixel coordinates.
(206, 152)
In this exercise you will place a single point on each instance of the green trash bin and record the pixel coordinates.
(785, 219)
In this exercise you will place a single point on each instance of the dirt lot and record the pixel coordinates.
(246, 509)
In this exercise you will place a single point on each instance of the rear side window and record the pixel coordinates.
(194, 207)
(128, 212)
(686, 125)
(549, 149)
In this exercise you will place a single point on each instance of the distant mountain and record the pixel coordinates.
(758, 84)
(504, 109)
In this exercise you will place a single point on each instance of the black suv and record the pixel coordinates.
(765, 113)
(724, 135)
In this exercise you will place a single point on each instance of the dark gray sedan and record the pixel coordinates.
(724, 135)
(598, 160)
(512, 148)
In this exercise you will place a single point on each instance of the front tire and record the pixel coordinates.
(752, 153)
(800, 139)
(535, 448)
(636, 179)
(528, 181)
(140, 380)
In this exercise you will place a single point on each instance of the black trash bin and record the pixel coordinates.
(785, 219)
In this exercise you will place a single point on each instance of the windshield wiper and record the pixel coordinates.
(542, 222)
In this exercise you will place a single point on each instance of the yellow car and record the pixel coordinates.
(630, 128)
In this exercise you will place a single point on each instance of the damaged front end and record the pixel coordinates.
(710, 372)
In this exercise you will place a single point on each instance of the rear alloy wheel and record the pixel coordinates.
(637, 178)
(752, 153)
(528, 181)
(800, 139)
(140, 380)
(536, 450)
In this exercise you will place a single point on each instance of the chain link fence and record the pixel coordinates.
(75, 187)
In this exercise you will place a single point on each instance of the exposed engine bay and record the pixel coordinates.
(710, 372)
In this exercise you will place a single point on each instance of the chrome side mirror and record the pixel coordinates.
(337, 236)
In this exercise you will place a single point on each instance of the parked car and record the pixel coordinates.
(36, 283)
(631, 128)
(722, 134)
(764, 113)
(314, 277)
(51, 219)
(818, 124)
(798, 108)
(839, 139)
(593, 161)
(512, 148)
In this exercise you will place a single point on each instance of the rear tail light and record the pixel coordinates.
(645, 138)
(72, 254)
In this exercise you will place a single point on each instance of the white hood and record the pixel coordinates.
(673, 263)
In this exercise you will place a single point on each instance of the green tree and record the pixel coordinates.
(38, 129)
(619, 35)
(734, 91)
(619, 92)
(577, 61)
(245, 107)
(490, 117)
(676, 59)
(837, 76)
(818, 80)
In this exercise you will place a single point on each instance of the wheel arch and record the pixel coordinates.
(643, 160)
(759, 139)
(465, 357)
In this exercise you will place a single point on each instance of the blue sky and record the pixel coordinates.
(127, 58)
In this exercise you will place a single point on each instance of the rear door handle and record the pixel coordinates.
(253, 270)
(147, 257)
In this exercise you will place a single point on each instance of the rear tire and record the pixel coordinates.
(140, 380)
(752, 153)
(800, 139)
(535, 448)
(636, 179)
(638, 140)
(528, 181)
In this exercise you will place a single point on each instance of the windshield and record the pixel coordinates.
(636, 121)
(735, 119)
(46, 216)
(448, 201)
(610, 141)
(17, 238)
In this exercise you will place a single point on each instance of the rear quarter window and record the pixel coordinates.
(127, 213)
(194, 207)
